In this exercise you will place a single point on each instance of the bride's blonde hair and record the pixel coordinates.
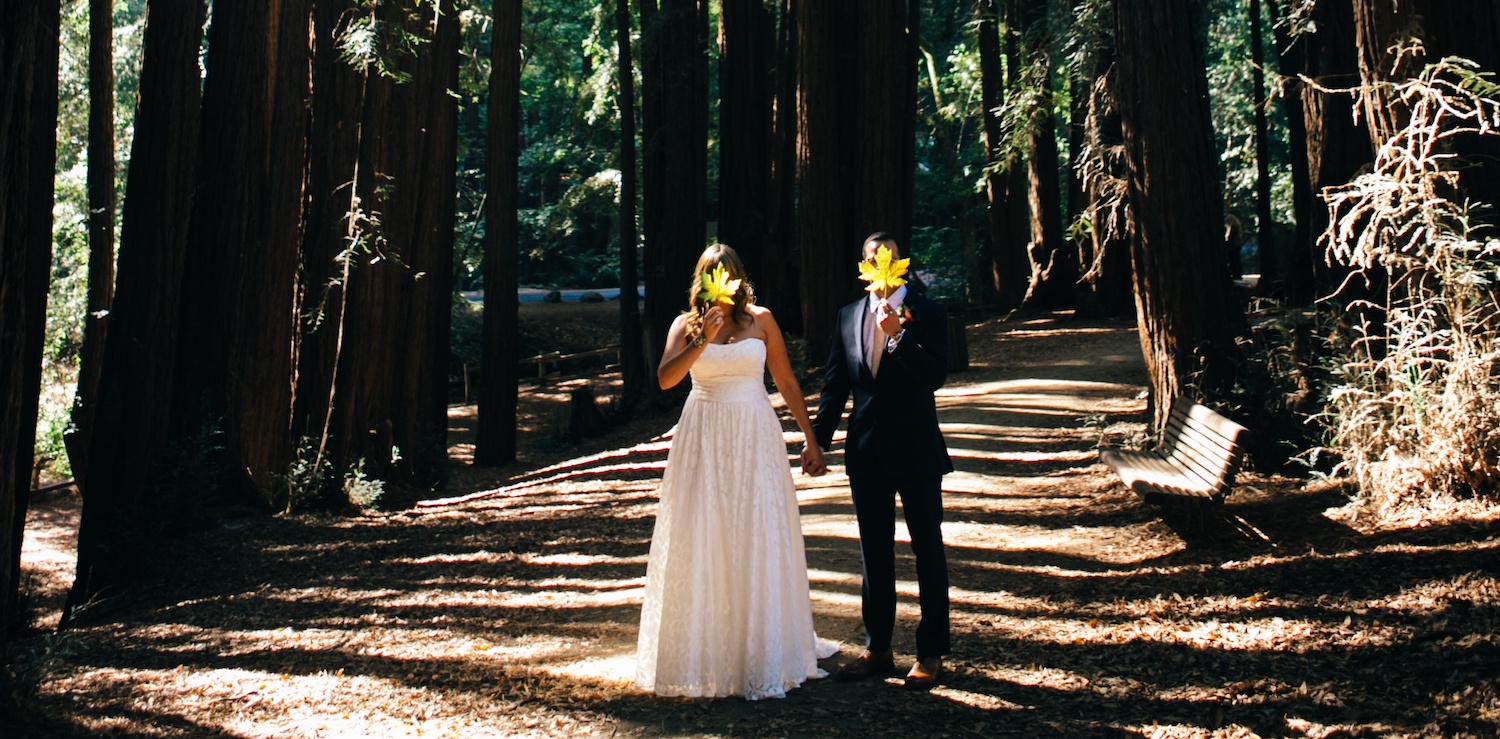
(712, 257)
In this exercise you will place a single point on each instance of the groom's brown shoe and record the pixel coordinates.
(924, 674)
(867, 664)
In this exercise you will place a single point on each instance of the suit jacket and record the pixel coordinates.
(893, 427)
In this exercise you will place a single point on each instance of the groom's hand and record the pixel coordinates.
(890, 322)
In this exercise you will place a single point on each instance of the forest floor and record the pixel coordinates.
(507, 604)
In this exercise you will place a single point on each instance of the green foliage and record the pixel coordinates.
(466, 340)
(1232, 92)
(363, 490)
(1417, 413)
(368, 41)
(305, 482)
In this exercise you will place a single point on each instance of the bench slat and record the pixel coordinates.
(1199, 456)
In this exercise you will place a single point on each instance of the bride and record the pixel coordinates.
(727, 609)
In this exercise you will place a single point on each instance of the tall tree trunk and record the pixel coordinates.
(885, 124)
(1182, 281)
(778, 284)
(632, 355)
(1270, 267)
(1104, 250)
(660, 297)
(236, 308)
(101, 186)
(1007, 266)
(132, 423)
(1338, 143)
(28, 147)
(680, 35)
(266, 399)
(335, 133)
(1054, 267)
(385, 359)
(856, 118)
(827, 236)
(1292, 62)
(496, 443)
(746, 46)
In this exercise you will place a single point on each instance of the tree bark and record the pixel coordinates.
(746, 46)
(885, 125)
(133, 419)
(28, 146)
(1007, 266)
(101, 224)
(1053, 267)
(856, 118)
(240, 268)
(1338, 143)
(1292, 62)
(1182, 281)
(632, 354)
(496, 443)
(681, 39)
(778, 284)
(826, 234)
(379, 373)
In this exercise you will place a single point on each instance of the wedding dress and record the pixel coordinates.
(727, 609)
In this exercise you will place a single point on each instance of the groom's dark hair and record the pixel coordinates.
(880, 236)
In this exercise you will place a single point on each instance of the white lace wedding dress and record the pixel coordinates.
(727, 610)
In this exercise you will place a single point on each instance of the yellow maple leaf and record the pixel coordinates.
(884, 274)
(717, 288)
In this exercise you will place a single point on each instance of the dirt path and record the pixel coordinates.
(1077, 611)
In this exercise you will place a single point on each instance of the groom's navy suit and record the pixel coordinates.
(893, 447)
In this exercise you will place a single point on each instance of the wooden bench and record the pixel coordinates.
(1199, 455)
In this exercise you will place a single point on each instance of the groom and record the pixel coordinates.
(891, 352)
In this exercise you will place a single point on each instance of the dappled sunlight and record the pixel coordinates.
(510, 608)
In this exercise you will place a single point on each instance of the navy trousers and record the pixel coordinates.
(875, 509)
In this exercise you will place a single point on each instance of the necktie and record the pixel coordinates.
(875, 344)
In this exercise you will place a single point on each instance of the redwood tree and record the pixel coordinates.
(129, 446)
(746, 49)
(1177, 244)
(856, 108)
(632, 354)
(28, 145)
(374, 365)
(237, 309)
(677, 191)
(496, 432)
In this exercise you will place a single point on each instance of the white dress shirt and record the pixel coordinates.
(876, 341)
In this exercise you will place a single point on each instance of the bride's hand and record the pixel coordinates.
(713, 321)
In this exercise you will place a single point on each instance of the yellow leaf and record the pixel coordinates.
(717, 288)
(884, 274)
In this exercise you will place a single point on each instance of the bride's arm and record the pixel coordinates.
(682, 351)
(780, 366)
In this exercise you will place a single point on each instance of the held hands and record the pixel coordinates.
(813, 463)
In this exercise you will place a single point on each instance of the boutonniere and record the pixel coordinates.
(907, 315)
(886, 273)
